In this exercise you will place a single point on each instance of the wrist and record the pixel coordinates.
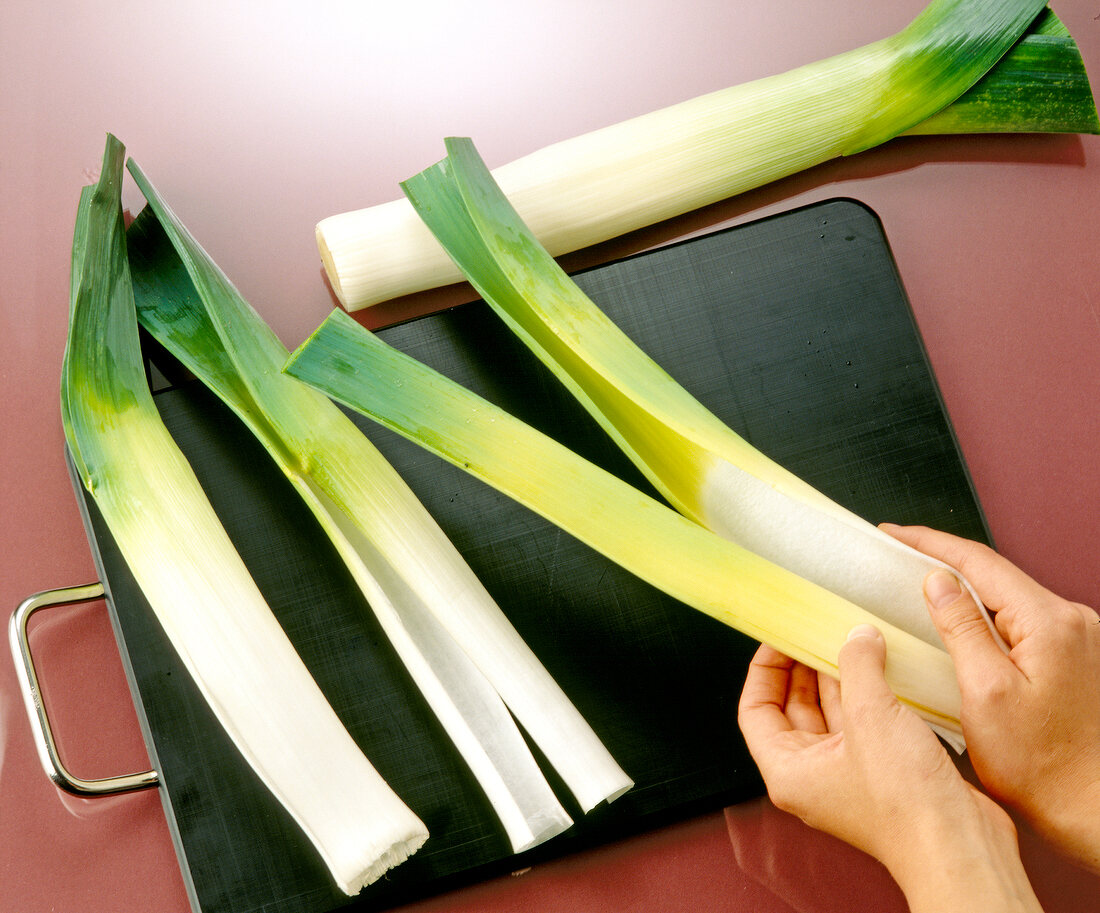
(1073, 827)
(966, 863)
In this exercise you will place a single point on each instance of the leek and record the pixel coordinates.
(461, 651)
(1040, 86)
(661, 546)
(197, 585)
(701, 466)
(623, 177)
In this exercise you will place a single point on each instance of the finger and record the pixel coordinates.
(961, 624)
(767, 679)
(946, 547)
(803, 706)
(997, 580)
(828, 689)
(760, 712)
(863, 688)
(1047, 620)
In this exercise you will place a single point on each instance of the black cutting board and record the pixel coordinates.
(794, 329)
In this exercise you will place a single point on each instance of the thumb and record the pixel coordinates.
(962, 625)
(861, 663)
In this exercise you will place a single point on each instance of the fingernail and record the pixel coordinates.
(864, 631)
(941, 588)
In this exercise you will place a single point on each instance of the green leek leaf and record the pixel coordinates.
(1040, 86)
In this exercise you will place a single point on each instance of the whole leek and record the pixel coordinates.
(192, 576)
(623, 177)
(470, 663)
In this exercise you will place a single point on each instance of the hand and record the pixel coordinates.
(1031, 718)
(849, 759)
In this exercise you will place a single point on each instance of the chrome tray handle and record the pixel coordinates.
(36, 709)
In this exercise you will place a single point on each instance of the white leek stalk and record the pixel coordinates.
(623, 177)
(460, 649)
(193, 578)
(659, 545)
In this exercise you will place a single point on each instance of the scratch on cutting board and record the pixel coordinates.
(551, 565)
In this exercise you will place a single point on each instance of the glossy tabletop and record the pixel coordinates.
(258, 120)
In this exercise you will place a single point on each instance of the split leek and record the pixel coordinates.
(460, 649)
(193, 578)
(602, 184)
(649, 539)
(701, 466)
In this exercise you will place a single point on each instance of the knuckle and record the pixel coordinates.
(973, 558)
(992, 691)
(962, 621)
(782, 792)
(782, 798)
(1066, 622)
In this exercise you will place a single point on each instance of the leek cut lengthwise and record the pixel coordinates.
(470, 663)
(703, 468)
(659, 545)
(959, 67)
(193, 578)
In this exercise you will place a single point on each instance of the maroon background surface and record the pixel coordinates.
(257, 120)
